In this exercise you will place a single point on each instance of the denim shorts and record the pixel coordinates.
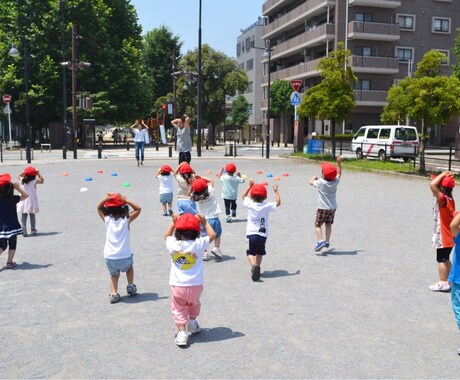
(216, 226)
(186, 206)
(115, 266)
(166, 197)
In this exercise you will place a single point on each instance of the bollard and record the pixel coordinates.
(230, 153)
(207, 144)
(99, 151)
(234, 149)
(170, 151)
(156, 146)
(127, 145)
(64, 153)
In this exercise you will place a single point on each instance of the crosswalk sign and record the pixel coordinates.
(295, 99)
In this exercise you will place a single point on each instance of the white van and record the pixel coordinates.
(386, 141)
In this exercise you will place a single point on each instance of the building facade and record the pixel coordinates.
(387, 38)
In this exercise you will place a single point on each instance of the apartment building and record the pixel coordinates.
(387, 38)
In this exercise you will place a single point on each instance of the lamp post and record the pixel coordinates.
(267, 53)
(199, 95)
(73, 65)
(14, 52)
(64, 84)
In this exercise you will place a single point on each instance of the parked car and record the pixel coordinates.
(386, 141)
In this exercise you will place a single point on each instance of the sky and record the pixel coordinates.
(221, 20)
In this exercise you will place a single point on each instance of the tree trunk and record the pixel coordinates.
(422, 149)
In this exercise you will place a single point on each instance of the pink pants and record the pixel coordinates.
(185, 303)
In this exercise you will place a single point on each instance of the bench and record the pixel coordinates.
(46, 147)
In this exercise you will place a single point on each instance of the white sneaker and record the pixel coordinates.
(181, 338)
(193, 326)
(205, 256)
(217, 253)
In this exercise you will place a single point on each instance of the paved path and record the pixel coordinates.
(360, 310)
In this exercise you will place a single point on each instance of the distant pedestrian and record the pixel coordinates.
(255, 200)
(327, 203)
(139, 140)
(186, 247)
(114, 211)
(204, 197)
(454, 276)
(443, 212)
(184, 141)
(115, 136)
(184, 175)
(28, 180)
(231, 179)
(9, 223)
(165, 176)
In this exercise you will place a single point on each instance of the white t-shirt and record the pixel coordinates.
(139, 135)
(166, 183)
(230, 185)
(117, 241)
(258, 216)
(183, 192)
(209, 207)
(187, 260)
(327, 191)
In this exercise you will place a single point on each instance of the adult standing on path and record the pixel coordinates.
(184, 141)
(139, 139)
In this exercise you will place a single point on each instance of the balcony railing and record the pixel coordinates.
(371, 97)
(390, 4)
(373, 31)
(376, 65)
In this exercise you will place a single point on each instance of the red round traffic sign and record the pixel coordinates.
(6, 99)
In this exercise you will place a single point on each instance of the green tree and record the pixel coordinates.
(240, 111)
(280, 103)
(428, 97)
(333, 98)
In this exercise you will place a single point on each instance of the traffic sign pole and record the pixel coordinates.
(9, 124)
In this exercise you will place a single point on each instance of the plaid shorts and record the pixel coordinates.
(324, 216)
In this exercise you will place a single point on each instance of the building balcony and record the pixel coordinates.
(390, 4)
(301, 71)
(374, 65)
(314, 36)
(370, 98)
(296, 17)
(373, 31)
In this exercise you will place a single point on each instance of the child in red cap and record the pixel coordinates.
(185, 174)
(203, 195)
(443, 241)
(186, 247)
(165, 177)
(327, 204)
(257, 225)
(9, 223)
(114, 211)
(29, 179)
(231, 179)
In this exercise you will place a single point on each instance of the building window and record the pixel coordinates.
(250, 109)
(248, 43)
(238, 49)
(447, 54)
(249, 90)
(364, 85)
(404, 54)
(241, 66)
(441, 25)
(364, 51)
(364, 17)
(249, 64)
(406, 22)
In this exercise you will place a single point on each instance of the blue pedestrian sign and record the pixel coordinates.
(295, 99)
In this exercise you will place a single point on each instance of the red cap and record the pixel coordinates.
(187, 222)
(185, 168)
(258, 190)
(5, 179)
(30, 171)
(230, 168)
(114, 201)
(448, 182)
(199, 185)
(166, 169)
(329, 171)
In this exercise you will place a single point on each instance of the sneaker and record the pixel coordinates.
(114, 298)
(170, 211)
(320, 245)
(165, 214)
(11, 265)
(142, 163)
(255, 273)
(33, 231)
(181, 338)
(24, 230)
(327, 244)
(458, 351)
(131, 289)
(137, 163)
(193, 326)
(217, 253)
(229, 219)
(205, 256)
(233, 214)
(440, 287)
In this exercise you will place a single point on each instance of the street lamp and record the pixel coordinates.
(14, 52)
(200, 72)
(73, 66)
(64, 83)
(268, 54)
